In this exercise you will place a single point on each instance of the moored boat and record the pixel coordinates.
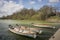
(44, 26)
(23, 31)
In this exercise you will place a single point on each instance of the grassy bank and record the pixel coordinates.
(28, 22)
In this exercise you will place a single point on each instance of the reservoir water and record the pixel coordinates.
(5, 34)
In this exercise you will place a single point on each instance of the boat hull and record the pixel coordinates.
(24, 34)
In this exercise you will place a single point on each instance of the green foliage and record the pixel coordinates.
(30, 14)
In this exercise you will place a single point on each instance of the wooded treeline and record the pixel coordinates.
(30, 14)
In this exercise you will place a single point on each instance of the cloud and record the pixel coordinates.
(7, 8)
(54, 0)
(32, 2)
(39, 0)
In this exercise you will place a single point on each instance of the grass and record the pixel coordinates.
(28, 22)
(35, 21)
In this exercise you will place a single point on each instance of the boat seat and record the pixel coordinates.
(20, 30)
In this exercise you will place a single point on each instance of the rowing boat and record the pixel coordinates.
(23, 32)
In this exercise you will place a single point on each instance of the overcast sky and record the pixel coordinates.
(7, 7)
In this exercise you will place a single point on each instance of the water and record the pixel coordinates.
(5, 34)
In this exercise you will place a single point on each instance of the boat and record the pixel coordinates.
(44, 26)
(22, 31)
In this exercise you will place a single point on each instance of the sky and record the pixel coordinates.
(8, 7)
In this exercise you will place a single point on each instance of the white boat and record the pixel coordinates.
(44, 26)
(23, 32)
